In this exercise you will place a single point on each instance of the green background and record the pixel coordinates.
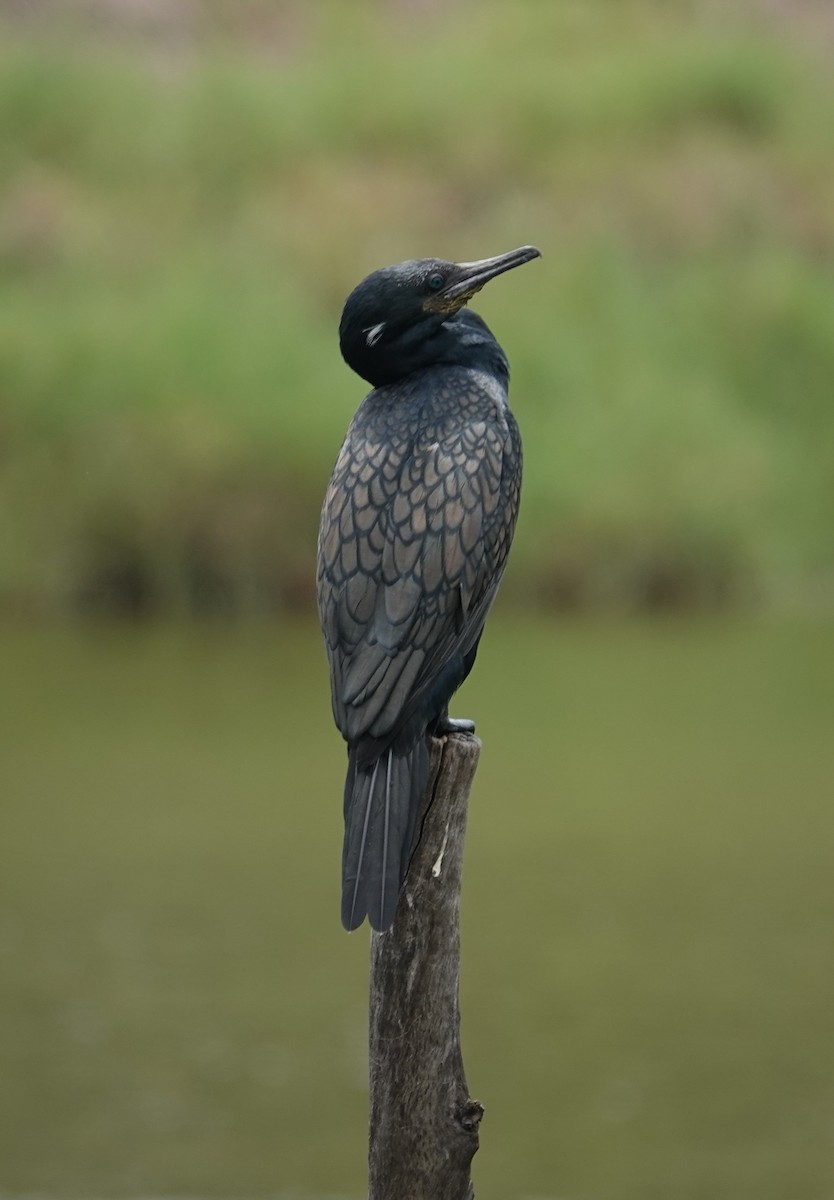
(188, 191)
(191, 190)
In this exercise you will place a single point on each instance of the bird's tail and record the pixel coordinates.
(382, 806)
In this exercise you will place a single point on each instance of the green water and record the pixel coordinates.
(648, 978)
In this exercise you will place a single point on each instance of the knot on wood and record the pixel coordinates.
(469, 1116)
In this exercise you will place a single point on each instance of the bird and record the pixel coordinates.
(415, 530)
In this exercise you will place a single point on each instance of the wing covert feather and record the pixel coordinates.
(414, 536)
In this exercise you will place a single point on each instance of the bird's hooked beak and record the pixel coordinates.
(468, 278)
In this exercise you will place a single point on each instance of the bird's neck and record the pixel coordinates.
(465, 341)
(460, 340)
(471, 344)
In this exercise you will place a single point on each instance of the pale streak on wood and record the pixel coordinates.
(438, 863)
(423, 1122)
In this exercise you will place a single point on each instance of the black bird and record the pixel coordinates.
(415, 531)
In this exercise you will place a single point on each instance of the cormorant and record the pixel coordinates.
(415, 531)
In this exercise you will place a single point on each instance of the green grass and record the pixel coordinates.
(179, 225)
(647, 910)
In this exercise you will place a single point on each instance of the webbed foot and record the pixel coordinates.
(447, 724)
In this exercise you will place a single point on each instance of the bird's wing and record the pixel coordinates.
(412, 545)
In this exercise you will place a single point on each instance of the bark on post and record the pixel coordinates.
(424, 1124)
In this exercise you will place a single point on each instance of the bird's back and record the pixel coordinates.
(416, 527)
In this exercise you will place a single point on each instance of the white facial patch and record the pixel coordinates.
(373, 333)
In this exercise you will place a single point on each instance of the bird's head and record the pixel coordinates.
(401, 318)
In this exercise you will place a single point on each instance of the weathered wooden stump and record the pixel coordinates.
(423, 1122)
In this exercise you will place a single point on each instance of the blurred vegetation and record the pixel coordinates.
(190, 190)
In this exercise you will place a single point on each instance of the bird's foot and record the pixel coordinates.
(447, 725)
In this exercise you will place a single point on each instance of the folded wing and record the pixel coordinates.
(412, 545)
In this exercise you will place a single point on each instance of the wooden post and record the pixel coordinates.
(424, 1124)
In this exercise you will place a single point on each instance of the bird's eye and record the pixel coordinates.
(436, 281)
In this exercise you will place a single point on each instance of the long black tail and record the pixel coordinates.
(382, 806)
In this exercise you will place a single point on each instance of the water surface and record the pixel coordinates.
(648, 983)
